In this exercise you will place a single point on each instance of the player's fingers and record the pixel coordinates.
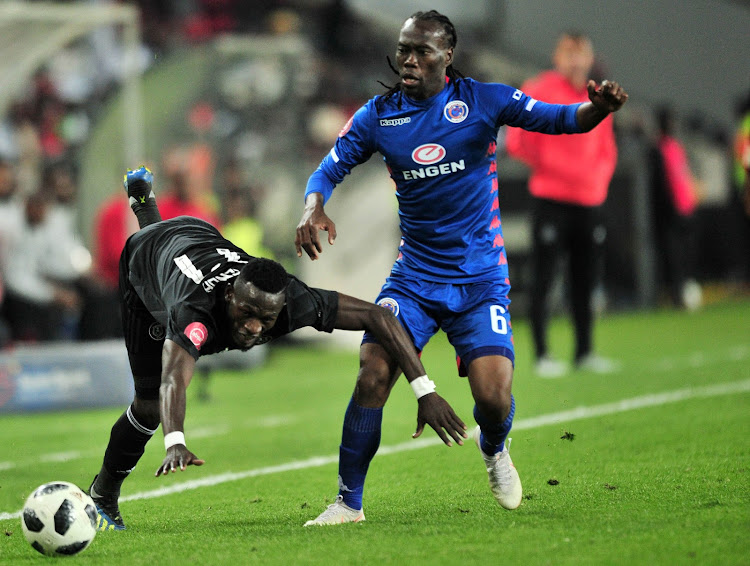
(313, 242)
(454, 432)
(198, 462)
(441, 433)
(444, 437)
(297, 244)
(420, 428)
(331, 233)
(309, 248)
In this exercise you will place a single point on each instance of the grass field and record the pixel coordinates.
(657, 469)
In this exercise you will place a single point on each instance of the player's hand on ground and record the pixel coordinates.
(178, 457)
(436, 412)
(313, 220)
(609, 96)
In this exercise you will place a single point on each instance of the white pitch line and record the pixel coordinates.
(642, 402)
(735, 353)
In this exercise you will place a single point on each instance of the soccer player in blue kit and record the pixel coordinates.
(437, 133)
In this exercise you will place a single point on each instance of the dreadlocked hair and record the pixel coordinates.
(451, 72)
(267, 275)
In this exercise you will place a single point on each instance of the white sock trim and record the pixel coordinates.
(136, 425)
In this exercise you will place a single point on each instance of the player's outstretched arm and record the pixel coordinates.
(177, 371)
(355, 314)
(313, 220)
(605, 98)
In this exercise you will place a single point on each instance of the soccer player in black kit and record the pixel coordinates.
(185, 292)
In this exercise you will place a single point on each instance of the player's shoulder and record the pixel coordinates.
(484, 91)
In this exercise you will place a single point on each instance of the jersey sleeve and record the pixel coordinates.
(191, 328)
(513, 107)
(306, 306)
(354, 145)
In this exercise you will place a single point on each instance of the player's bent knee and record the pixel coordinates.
(147, 412)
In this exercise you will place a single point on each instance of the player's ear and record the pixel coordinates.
(449, 56)
(228, 292)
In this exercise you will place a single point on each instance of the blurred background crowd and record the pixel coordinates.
(240, 100)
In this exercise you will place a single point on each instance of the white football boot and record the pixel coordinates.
(504, 481)
(336, 513)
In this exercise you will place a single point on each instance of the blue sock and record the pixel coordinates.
(359, 442)
(492, 439)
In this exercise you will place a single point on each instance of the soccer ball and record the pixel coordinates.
(59, 519)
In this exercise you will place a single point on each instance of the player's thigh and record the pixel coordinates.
(408, 299)
(144, 340)
(483, 327)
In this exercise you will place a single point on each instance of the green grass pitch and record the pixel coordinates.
(646, 465)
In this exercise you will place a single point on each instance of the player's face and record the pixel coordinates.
(422, 56)
(574, 57)
(251, 312)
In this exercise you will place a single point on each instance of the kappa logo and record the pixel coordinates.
(456, 111)
(395, 121)
(390, 304)
(428, 153)
(156, 331)
(197, 333)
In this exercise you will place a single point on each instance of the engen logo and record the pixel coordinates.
(197, 334)
(428, 153)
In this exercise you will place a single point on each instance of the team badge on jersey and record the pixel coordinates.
(156, 331)
(456, 111)
(390, 304)
(197, 333)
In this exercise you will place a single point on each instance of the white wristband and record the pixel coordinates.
(176, 437)
(422, 386)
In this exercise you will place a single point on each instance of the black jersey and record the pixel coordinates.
(179, 269)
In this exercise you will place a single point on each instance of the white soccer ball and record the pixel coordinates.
(59, 519)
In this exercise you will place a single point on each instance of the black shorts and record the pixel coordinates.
(144, 337)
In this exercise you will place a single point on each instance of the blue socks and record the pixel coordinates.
(359, 442)
(492, 439)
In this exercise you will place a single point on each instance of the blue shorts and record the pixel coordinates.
(474, 316)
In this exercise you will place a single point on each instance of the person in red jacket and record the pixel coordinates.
(674, 198)
(569, 180)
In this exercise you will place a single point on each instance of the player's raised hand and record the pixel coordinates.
(436, 412)
(178, 456)
(608, 97)
(313, 220)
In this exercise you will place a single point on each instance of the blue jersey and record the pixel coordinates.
(441, 154)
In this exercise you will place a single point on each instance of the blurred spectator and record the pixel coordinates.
(242, 226)
(569, 181)
(41, 301)
(10, 212)
(742, 181)
(113, 224)
(674, 192)
(188, 173)
(10, 219)
(28, 150)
